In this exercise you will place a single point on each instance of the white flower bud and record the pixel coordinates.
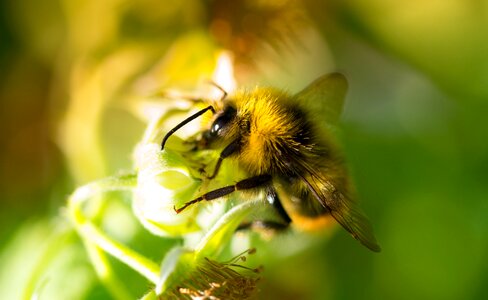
(164, 181)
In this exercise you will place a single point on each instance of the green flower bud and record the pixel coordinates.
(164, 181)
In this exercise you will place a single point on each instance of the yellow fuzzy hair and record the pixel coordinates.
(270, 125)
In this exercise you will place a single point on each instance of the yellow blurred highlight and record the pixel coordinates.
(93, 89)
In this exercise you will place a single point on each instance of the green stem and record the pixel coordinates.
(224, 229)
(96, 240)
(54, 245)
(136, 261)
(105, 272)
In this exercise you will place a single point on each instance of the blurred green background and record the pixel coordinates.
(415, 127)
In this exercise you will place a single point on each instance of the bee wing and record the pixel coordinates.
(325, 96)
(344, 210)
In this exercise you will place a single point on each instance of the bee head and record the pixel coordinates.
(222, 123)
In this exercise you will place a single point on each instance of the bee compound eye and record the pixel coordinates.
(218, 125)
(222, 121)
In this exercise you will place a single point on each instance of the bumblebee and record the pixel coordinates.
(284, 143)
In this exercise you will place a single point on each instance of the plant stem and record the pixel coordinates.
(105, 272)
(136, 261)
(55, 244)
(97, 242)
(221, 233)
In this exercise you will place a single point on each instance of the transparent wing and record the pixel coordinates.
(343, 209)
(325, 97)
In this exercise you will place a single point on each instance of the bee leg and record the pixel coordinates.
(224, 92)
(270, 225)
(263, 225)
(229, 150)
(274, 200)
(246, 184)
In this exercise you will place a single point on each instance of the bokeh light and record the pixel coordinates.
(80, 79)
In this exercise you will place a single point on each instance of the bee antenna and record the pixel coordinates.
(184, 122)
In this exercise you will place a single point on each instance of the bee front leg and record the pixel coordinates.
(230, 149)
(246, 184)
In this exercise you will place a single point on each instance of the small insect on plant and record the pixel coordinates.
(284, 143)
